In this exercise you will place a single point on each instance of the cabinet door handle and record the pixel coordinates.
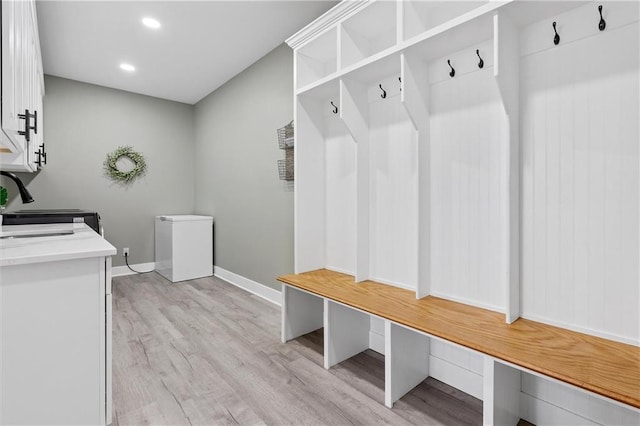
(27, 127)
(35, 126)
(44, 154)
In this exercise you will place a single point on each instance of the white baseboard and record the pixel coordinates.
(260, 290)
(120, 271)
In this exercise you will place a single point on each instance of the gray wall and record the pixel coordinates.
(236, 173)
(83, 123)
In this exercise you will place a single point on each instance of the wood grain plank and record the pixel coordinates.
(605, 367)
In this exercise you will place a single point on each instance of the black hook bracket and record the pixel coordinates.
(383, 95)
(481, 63)
(453, 71)
(335, 108)
(400, 80)
(556, 39)
(602, 25)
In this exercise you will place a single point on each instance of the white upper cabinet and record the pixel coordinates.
(21, 139)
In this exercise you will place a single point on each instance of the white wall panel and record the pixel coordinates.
(540, 396)
(394, 194)
(466, 218)
(580, 185)
(465, 358)
(456, 366)
(376, 334)
(309, 203)
(340, 196)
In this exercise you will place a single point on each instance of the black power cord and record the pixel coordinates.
(126, 260)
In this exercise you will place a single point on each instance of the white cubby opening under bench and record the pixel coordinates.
(483, 154)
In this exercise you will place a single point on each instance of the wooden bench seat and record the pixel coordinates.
(602, 366)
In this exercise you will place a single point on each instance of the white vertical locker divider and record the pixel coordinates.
(406, 362)
(414, 96)
(345, 47)
(506, 73)
(346, 333)
(501, 399)
(340, 30)
(309, 204)
(354, 111)
(399, 21)
(302, 313)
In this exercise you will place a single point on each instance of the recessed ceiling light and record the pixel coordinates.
(127, 67)
(151, 23)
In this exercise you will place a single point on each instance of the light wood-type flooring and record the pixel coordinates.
(205, 352)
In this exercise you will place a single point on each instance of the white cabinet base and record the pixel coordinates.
(52, 335)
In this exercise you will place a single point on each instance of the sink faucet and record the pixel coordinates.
(24, 194)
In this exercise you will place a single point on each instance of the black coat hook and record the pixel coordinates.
(453, 72)
(335, 108)
(481, 63)
(556, 39)
(400, 80)
(602, 25)
(384, 92)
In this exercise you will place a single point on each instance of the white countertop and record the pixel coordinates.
(84, 242)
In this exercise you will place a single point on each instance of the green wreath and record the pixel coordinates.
(111, 166)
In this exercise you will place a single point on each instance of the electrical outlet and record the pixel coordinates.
(125, 251)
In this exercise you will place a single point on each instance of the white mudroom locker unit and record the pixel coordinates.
(482, 153)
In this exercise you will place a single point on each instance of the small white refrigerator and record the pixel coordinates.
(184, 247)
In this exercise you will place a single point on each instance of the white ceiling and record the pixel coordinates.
(200, 46)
